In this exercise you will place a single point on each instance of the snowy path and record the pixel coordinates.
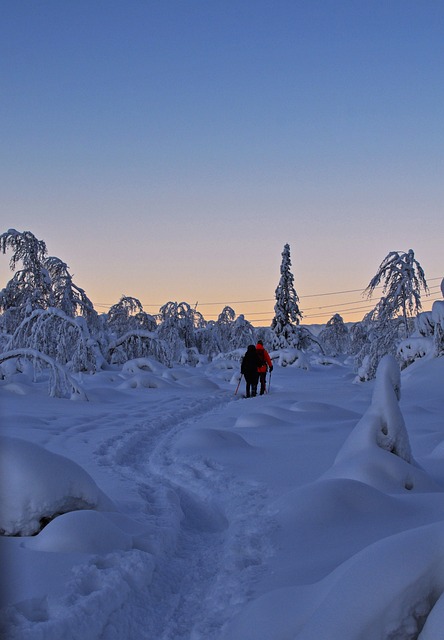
(210, 529)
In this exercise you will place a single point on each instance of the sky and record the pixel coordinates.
(168, 150)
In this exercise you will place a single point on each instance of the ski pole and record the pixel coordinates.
(269, 383)
(237, 388)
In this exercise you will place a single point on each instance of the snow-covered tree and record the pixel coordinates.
(139, 344)
(133, 334)
(179, 322)
(30, 287)
(66, 340)
(424, 324)
(127, 315)
(42, 283)
(335, 336)
(266, 335)
(286, 310)
(65, 295)
(403, 278)
(381, 335)
(61, 383)
(382, 338)
(207, 340)
(358, 337)
(437, 317)
(223, 327)
(231, 332)
(43, 310)
(391, 319)
(242, 333)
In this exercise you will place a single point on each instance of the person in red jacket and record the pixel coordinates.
(264, 365)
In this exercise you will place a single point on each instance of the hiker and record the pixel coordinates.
(265, 364)
(249, 369)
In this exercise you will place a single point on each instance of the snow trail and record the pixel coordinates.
(209, 527)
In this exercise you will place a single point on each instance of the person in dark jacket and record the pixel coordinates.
(264, 365)
(249, 369)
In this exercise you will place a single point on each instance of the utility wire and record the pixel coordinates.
(301, 297)
(270, 315)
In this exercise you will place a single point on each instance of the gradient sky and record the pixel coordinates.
(169, 149)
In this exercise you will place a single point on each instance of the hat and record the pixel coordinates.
(260, 342)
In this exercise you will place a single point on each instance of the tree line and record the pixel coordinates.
(46, 317)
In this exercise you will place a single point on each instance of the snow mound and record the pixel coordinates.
(83, 532)
(144, 381)
(138, 365)
(323, 408)
(258, 420)
(38, 485)
(19, 389)
(395, 607)
(378, 451)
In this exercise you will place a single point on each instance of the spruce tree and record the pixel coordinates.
(286, 309)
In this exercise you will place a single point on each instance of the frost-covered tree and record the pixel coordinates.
(42, 283)
(424, 324)
(30, 287)
(335, 336)
(286, 309)
(207, 340)
(358, 337)
(242, 333)
(381, 339)
(61, 383)
(305, 340)
(43, 310)
(437, 318)
(67, 296)
(179, 322)
(127, 315)
(391, 319)
(139, 344)
(403, 278)
(266, 335)
(66, 340)
(381, 334)
(223, 328)
(133, 334)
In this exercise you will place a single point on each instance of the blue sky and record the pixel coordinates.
(168, 150)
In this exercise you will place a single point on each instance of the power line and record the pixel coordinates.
(318, 315)
(269, 317)
(302, 297)
(343, 304)
(343, 307)
(324, 314)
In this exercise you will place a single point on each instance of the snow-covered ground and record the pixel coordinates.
(190, 513)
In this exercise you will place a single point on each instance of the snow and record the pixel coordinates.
(38, 484)
(177, 510)
(438, 313)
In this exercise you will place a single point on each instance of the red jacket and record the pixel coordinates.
(266, 357)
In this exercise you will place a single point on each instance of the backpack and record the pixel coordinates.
(260, 357)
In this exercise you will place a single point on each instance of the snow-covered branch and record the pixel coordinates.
(61, 384)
